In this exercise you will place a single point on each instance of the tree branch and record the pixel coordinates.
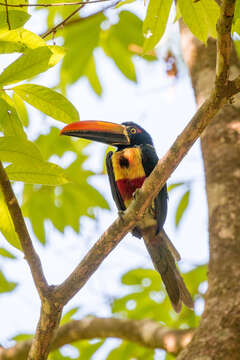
(55, 4)
(7, 15)
(54, 29)
(67, 22)
(146, 333)
(224, 42)
(51, 310)
(23, 235)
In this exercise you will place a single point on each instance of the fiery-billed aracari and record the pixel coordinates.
(127, 169)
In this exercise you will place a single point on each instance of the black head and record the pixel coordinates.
(137, 135)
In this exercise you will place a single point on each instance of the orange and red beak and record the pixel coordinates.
(102, 131)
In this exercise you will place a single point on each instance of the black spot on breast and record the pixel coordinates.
(123, 162)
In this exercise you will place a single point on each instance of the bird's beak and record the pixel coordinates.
(102, 131)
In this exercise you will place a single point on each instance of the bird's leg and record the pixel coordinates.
(135, 194)
(120, 214)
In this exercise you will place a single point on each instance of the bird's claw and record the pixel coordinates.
(135, 194)
(120, 214)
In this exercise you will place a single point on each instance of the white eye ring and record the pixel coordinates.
(133, 131)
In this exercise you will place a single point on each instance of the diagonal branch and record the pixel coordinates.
(22, 232)
(145, 332)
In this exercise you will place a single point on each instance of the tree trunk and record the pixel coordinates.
(218, 336)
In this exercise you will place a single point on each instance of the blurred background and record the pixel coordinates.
(65, 221)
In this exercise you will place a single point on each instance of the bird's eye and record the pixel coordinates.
(133, 131)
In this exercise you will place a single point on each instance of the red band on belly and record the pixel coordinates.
(127, 187)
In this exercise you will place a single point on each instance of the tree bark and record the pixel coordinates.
(219, 332)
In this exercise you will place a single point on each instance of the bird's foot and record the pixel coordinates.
(120, 214)
(135, 194)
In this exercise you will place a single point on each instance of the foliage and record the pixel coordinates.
(62, 194)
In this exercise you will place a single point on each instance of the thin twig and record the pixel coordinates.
(54, 4)
(7, 14)
(22, 232)
(54, 29)
(65, 22)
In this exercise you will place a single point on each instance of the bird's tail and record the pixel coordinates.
(164, 257)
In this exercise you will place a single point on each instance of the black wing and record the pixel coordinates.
(115, 193)
(149, 160)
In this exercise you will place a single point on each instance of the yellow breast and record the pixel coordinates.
(127, 164)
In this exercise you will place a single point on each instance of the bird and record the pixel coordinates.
(132, 162)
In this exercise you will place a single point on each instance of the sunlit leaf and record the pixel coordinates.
(17, 18)
(22, 337)
(121, 41)
(65, 204)
(195, 277)
(43, 173)
(6, 225)
(6, 253)
(48, 101)
(20, 151)
(31, 63)
(155, 22)
(236, 18)
(128, 350)
(5, 285)
(21, 109)
(93, 77)
(87, 349)
(124, 2)
(174, 186)
(19, 40)
(10, 124)
(182, 206)
(80, 39)
(68, 316)
(200, 16)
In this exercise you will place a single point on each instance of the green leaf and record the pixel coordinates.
(182, 206)
(155, 22)
(68, 316)
(93, 77)
(19, 41)
(136, 276)
(236, 18)
(87, 349)
(6, 253)
(48, 101)
(6, 224)
(174, 186)
(201, 17)
(128, 350)
(5, 285)
(195, 277)
(31, 63)
(78, 194)
(124, 2)
(118, 41)
(121, 56)
(10, 124)
(237, 47)
(17, 18)
(21, 109)
(43, 173)
(80, 38)
(22, 337)
(20, 151)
